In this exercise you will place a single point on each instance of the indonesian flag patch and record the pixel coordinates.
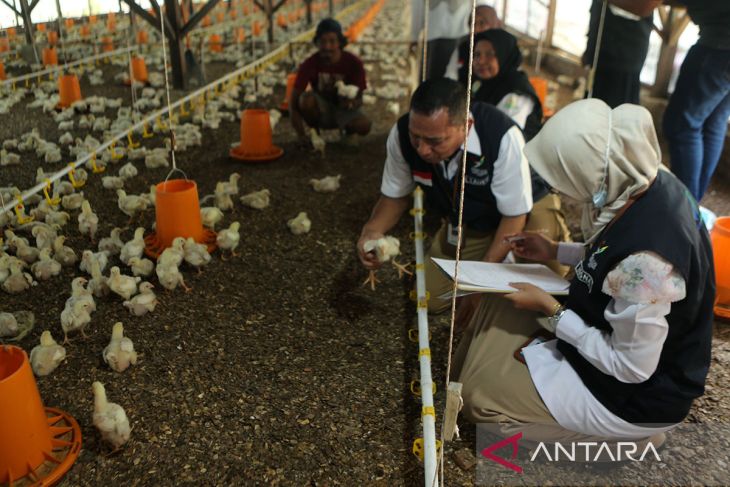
(423, 177)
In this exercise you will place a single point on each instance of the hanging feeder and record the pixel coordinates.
(69, 90)
(256, 143)
(52, 37)
(39, 445)
(139, 70)
(177, 214)
(142, 37)
(216, 43)
(50, 56)
(291, 78)
(2, 71)
(720, 236)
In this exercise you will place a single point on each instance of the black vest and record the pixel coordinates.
(442, 196)
(665, 220)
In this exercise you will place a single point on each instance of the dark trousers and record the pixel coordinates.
(616, 87)
(438, 55)
(696, 119)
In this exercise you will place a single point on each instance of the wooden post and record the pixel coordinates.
(177, 53)
(552, 9)
(504, 12)
(674, 23)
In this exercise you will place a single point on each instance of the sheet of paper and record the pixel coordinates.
(488, 277)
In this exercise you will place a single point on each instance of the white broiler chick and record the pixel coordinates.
(66, 139)
(112, 182)
(60, 218)
(44, 236)
(87, 257)
(88, 221)
(75, 316)
(133, 248)
(18, 281)
(317, 142)
(230, 187)
(346, 91)
(257, 199)
(110, 418)
(211, 216)
(169, 275)
(223, 200)
(369, 99)
(44, 358)
(229, 238)
(299, 225)
(144, 302)
(128, 171)
(196, 254)
(394, 108)
(119, 354)
(141, 267)
(26, 252)
(174, 254)
(72, 201)
(8, 325)
(386, 249)
(9, 158)
(98, 283)
(274, 117)
(113, 243)
(63, 254)
(122, 285)
(81, 293)
(131, 205)
(328, 184)
(46, 267)
(156, 158)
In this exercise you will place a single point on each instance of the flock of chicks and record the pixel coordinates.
(48, 254)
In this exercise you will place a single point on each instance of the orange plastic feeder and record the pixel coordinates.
(50, 56)
(240, 34)
(2, 71)
(541, 90)
(216, 43)
(220, 17)
(281, 20)
(41, 27)
(177, 214)
(39, 445)
(12, 32)
(206, 21)
(256, 144)
(257, 28)
(107, 44)
(92, 19)
(290, 80)
(69, 22)
(139, 69)
(720, 236)
(68, 90)
(142, 37)
(84, 30)
(52, 37)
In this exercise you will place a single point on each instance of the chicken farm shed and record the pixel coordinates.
(250, 353)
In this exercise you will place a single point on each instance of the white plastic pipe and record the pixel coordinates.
(428, 416)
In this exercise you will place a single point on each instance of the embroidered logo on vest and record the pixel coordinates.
(592, 264)
(584, 276)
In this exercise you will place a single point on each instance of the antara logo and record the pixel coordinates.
(581, 451)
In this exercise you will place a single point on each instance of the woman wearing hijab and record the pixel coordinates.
(627, 352)
(498, 80)
(485, 18)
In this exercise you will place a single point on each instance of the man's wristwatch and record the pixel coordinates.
(554, 319)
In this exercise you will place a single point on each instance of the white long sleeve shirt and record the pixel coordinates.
(446, 19)
(630, 353)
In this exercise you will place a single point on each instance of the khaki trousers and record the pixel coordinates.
(546, 216)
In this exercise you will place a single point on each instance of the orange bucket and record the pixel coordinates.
(69, 22)
(720, 236)
(139, 69)
(50, 56)
(256, 144)
(541, 90)
(216, 43)
(281, 20)
(68, 89)
(107, 44)
(206, 21)
(240, 34)
(4, 44)
(2, 71)
(52, 37)
(142, 37)
(84, 30)
(220, 17)
(39, 443)
(12, 32)
(41, 27)
(177, 213)
(290, 80)
(92, 19)
(256, 28)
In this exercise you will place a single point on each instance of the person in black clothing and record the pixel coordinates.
(498, 80)
(621, 56)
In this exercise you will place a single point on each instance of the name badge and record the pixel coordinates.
(452, 235)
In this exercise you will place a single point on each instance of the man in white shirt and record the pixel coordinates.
(425, 148)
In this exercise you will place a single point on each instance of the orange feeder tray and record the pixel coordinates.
(39, 445)
(50, 56)
(177, 214)
(139, 69)
(69, 90)
(720, 236)
(256, 144)
(290, 80)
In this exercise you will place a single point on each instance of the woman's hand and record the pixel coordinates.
(533, 246)
(531, 297)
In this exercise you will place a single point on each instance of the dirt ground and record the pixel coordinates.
(278, 368)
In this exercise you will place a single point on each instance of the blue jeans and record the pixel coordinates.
(696, 119)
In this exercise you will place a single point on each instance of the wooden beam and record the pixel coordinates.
(550, 30)
(663, 15)
(198, 16)
(33, 4)
(681, 22)
(151, 19)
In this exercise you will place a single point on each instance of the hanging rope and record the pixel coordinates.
(61, 40)
(597, 50)
(167, 91)
(129, 64)
(424, 52)
(461, 219)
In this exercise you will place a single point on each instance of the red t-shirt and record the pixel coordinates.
(322, 77)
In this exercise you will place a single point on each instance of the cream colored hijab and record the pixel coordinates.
(587, 143)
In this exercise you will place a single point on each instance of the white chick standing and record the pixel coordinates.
(44, 358)
(46, 267)
(110, 418)
(223, 200)
(229, 238)
(122, 285)
(63, 254)
(386, 249)
(141, 267)
(87, 256)
(196, 254)
(144, 302)
(133, 248)
(274, 117)
(8, 325)
(119, 354)
(113, 243)
(317, 142)
(299, 225)
(131, 205)
(88, 221)
(75, 316)
(210, 216)
(169, 275)
(328, 184)
(257, 200)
